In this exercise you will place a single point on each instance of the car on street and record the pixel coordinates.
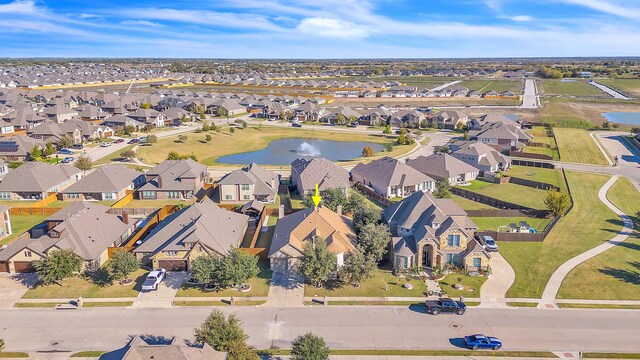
(296, 124)
(65, 152)
(77, 146)
(488, 243)
(479, 341)
(119, 141)
(154, 279)
(143, 139)
(67, 160)
(133, 141)
(329, 124)
(435, 307)
(105, 144)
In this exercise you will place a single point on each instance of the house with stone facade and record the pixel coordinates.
(173, 179)
(252, 182)
(391, 178)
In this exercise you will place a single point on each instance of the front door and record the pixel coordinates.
(426, 259)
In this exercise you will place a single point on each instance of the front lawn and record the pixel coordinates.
(614, 274)
(576, 145)
(517, 194)
(471, 285)
(20, 224)
(493, 223)
(259, 286)
(376, 286)
(548, 176)
(588, 224)
(264, 238)
(74, 288)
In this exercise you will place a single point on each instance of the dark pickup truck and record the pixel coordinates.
(435, 307)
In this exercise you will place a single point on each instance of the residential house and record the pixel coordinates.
(176, 349)
(226, 107)
(19, 147)
(433, 233)
(306, 173)
(308, 112)
(410, 118)
(108, 182)
(120, 121)
(378, 116)
(481, 156)
(59, 114)
(87, 229)
(51, 132)
(35, 180)
(173, 179)
(310, 224)
(451, 119)
(501, 136)
(444, 166)
(252, 182)
(340, 115)
(391, 178)
(199, 229)
(148, 117)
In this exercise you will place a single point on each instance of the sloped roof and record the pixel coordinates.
(320, 171)
(107, 178)
(440, 166)
(37, 177)
(390, 172)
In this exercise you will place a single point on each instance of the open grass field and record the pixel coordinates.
(517, 194)
(577, 88)
(542, 136)
(250, 139)
(549, 176)
(383, 283)
(73, 288)
(575, 145)
(495, 85)
(589, 224)
(20, 224)
(493, 223)
(467, 204)
(631, 87)
(259, 286)
(614, 274)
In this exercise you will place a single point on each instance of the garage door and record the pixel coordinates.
(173, 265)
(23, 266)
(4, 266)
(279, 264)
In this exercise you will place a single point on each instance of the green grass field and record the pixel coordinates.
(259, 287)
(575, 145)
(549, 176)
(495, 85)
(493, 223)
(517, 194)
(629, 86)
(588, 224)
(577, 88)
(467, 204)
(614, 274)
(20, 224)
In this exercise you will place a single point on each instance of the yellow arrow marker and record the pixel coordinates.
(316, 198)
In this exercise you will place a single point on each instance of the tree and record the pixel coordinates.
(147, 128)
(207, 138)
(184, 119)
(83, 163)
(1, 345)
(205, 126)
(152, 139)
(309, 347)
(443, 189)
(49, 150)
(340, 119)
(365, 215)
(317, 263)
(182, 138)
(232, 130)
(203, 268)
(356, 202)
(36, 153)
(173, 155)
(58, 265)
(368, 151)
(240, 267)
(128, 154)
(222, 333)
(465, 137)
(145, 106)
(387, 130)
(331, 198)
(549, 73)
(129, 129)
(122, 265)
(352, 119)
(239, 350)
(358, 266)
(65, 142)
(557, 202)
(606, 125)
(373, 239)
(388, 147)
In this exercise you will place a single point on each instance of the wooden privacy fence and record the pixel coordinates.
(506, 213)
(52, 197)
(530, 163)
(532, 184)
(530, 155)
(33, 210)
(259, 222)
(537, 144)
(372, 194)
(262, 253)
(488, 200)
(124, 201)
(140, 233)
(133, 211)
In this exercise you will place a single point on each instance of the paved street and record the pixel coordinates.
(384, 327)
(530, 97)
(608, 90)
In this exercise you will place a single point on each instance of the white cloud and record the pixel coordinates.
(334, 28)
(520, 18)
(24, 7)
(609, 7)
(141, 23)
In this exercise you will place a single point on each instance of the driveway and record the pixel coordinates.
(492, 293)
(163, 296)
(286, 289)
(13, 287)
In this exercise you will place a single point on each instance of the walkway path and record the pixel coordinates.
(608, 90)
(602, 150)
(493, 291)
(551, 290)
(286, 290)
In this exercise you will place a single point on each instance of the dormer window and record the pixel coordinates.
(436, 225)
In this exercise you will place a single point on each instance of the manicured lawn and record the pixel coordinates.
(80, 287)
(577, 88)
(264, 238)
(493, 223)
(588, 224)
(575, 145)
(471, 285)
(374, 286)
(115, 156)
(496, 85)
(18, 203)
(629, 86)
(155, 204)
(467, 204)
(22, 223)
(517, 194)
(553, 153)
(250, 139)
(614, 274)
(259, 286)
(549, 176)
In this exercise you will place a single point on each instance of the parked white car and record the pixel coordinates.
(154, 278)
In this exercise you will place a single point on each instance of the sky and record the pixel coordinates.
(319, 28)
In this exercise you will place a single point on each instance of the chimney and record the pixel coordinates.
(125, 217)
(339, 210)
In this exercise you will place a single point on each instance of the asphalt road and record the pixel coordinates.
(530, 97)
(608, 90)
(383, 327)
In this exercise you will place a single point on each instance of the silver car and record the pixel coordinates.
(489, 244)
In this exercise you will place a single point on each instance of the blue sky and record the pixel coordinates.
(319, 28)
